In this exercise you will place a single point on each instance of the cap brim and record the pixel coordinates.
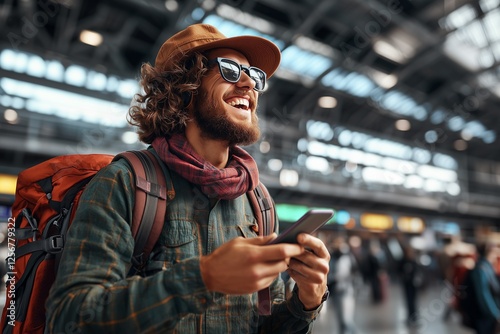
(259, 51)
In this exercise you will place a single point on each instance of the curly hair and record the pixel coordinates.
(161, 109)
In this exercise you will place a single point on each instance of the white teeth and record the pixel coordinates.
(241, 102)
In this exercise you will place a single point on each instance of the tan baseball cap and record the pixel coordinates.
(259, 51)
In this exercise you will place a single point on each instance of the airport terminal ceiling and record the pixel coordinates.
(377, 103)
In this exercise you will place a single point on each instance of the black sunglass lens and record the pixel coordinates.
(258, 77)
(230, 71)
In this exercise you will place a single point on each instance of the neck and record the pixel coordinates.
(214, 151)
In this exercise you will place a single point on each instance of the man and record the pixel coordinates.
(199, 102)
(484, 307)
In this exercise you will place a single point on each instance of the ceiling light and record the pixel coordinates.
(171, 5)
(208, 5)
(11, 116)
(437, 173)
(460, 145)
(289, 178)
(275, 165)
(91, 37)
(384, 80)
(402, 125)
(466, 135)
(319, 130)
(388, 51)
(327, 102)
(431, 136)
(265, 147)
(399, 45)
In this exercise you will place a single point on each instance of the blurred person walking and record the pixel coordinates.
(482, 307)
(341, 284)
(375, 272)
(411, 279)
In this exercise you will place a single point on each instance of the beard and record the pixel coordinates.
(212, 119)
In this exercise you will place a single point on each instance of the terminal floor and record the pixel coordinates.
(389, 316)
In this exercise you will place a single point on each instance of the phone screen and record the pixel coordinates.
(308, 223)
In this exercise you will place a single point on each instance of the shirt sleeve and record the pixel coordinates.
(288, 316)
(92, 293)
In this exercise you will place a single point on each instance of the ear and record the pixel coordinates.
(187, 98)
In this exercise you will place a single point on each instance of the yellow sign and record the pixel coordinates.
(8, 184)
(411, 224)
(376, 221)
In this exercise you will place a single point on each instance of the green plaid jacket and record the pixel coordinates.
(92, 293)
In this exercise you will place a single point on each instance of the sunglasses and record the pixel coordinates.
(231, 72)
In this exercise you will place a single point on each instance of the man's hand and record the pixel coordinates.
(243, 266)
(309, 270)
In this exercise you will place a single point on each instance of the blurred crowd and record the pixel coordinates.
(376, 262)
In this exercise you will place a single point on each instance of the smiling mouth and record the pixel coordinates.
(239, 103)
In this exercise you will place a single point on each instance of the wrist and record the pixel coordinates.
(205, 273)
(311, 305)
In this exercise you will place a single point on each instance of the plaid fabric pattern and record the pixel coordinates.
(238, 177)
(92, 293)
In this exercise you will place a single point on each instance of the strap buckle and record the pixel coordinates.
(55, 244)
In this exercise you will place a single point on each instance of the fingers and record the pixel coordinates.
(274, 252)
(312, 270)
(312, 265)
(269, 270)
(314, 244)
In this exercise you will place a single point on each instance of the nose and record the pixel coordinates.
(245, 80)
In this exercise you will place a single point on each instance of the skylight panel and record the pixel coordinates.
(352, 82)
(459, 17)
(492, 25)
(403, 104)
(304, 63)
(496, 50)
(468, 56)
(244, 18)
(52, 101)
(475, 34)
(490, 80)
(232, 29)
(486, 58)
(487, 5)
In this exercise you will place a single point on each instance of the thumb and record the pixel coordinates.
(263, 240)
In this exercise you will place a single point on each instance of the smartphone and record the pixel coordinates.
(308, 223)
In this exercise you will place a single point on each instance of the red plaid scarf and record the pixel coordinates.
(238, 177)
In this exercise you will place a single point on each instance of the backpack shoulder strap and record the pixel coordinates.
(263, 209)
(152, 190)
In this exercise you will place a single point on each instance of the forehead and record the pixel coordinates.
(228, 53)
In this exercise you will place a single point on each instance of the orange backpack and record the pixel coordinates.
(46, 199)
